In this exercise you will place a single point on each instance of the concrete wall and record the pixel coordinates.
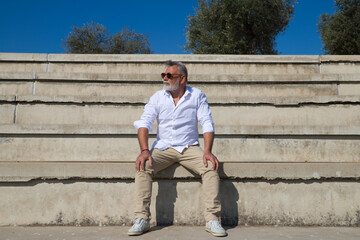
(287, 134)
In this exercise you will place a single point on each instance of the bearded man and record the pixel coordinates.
(178, 109)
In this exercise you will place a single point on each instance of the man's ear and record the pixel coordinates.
(183, 79)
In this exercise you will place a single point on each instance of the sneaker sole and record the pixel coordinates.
(137, 233)
(216, 234)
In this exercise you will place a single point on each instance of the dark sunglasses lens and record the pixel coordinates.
(168, 75)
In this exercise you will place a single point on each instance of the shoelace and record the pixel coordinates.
(138, 221)
(215, 224)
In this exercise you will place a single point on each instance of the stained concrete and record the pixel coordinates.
(125, 148)
(27, 171)
(287, 130)
(126, 129)
(180, 202)
(259, 115)
(225, 91)
(217, 100)
(179, 232)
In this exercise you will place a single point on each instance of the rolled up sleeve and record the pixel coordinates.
(149, 115)
(204, 115)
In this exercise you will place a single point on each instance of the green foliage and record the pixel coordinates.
(340, 32)
(129, 41)
(237, 26)
(93, 38)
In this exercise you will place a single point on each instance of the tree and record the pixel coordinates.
(94, 38)
(237, 26)
(340, 32)
(91, 38)
(129, 41)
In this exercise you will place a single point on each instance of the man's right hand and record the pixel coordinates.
(141, 159)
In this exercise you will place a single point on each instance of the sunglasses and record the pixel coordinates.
(169, 75)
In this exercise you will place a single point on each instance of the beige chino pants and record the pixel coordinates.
(191, 158)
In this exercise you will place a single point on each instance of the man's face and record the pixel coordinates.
(172, 84)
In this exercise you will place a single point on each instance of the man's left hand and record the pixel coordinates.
(208, 156)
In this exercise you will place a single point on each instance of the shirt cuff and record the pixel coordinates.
(139, 124)
(208, 127)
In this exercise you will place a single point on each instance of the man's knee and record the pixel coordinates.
(146, 170)
(210, 173)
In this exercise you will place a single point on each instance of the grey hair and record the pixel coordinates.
(182, 68)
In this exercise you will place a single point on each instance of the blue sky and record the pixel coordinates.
(38, 26)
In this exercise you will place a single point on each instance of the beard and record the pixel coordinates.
(171, 87)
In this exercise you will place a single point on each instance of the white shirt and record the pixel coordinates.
(177, 126)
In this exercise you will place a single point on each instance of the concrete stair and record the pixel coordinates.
(287, 127)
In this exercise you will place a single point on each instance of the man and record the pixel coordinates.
(177, 109)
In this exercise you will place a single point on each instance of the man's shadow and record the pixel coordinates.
(167, 194)
(166, 197)
(229, 197)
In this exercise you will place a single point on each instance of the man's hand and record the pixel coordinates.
(208, 156)
(141, 159)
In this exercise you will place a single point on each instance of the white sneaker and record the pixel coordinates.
(215, 228)
(140, 226)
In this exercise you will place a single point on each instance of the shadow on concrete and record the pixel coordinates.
(229, 197)
(165, 201)
(167, 194)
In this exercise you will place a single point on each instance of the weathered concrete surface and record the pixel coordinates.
(192, 58)
(7, 113)
(23, 57)
(287, 131)
(144, 63)
(349, 89)
(16, 88)
(193, 68)
(305, 115)
(257, 115)
(27, 171)
(193, 78)
(128, 129)
(23, 67)
(15, 76)
(72, 114)
(341, 67)
(339, 58)
(219, 90)
(202, 77)
(340, 64)
(223, 101)
(180, 232)
(94, 202)
(227, 148)
(227, 77)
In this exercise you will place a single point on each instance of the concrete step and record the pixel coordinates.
(53, 110)
(226, 77)
(287, 134)
(218, 86)
(215, 100)
(146, 90)
(228, 148)
(27, 171)
(129, 129)
(114, 143)
(180, 201)
(145, 64)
